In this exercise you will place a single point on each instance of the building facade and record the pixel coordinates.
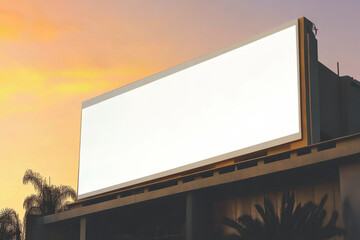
(191, 205)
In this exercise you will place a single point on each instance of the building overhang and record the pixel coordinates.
(336, 150)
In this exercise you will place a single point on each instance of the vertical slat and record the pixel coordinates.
(243, 206)
(337, 205)
(279, 195)
(225, 209)
(273, 197)
(229, 211)
(256, 199)
(320, 189)
(304, 194)
(337, 199)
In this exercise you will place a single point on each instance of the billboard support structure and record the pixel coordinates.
(309, 72)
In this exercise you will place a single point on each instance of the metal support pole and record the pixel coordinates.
(190, 215)
(83, 228)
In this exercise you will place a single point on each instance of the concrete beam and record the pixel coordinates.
(339, 150)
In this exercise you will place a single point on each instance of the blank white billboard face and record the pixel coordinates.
(237, 100)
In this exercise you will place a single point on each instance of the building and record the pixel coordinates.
(191, 203)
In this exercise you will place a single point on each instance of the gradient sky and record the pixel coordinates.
(56, 54)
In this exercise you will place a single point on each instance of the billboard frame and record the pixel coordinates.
(298, 137)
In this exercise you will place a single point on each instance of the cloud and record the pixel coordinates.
(11, 24)
(22, 79)
(24, 89)
(16, 26)
(44, 30)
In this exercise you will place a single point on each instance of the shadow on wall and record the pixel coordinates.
(294, 221)
(350, 216)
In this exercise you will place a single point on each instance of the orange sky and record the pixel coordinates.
(56, 54)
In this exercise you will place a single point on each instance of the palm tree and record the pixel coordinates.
(303, 222)
(49, 199)
(10, 225)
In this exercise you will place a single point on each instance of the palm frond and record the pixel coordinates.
(66, 206)
(233, 224)
(67, 192)
(34, 178)
(31, 201)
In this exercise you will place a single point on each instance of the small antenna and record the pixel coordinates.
(315, 29)
(338, 71)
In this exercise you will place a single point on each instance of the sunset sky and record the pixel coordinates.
(56, 54)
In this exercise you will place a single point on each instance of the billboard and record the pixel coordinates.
(237, 100)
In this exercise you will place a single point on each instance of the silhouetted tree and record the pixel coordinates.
(294, 223)
(48, 200)
(10, 225)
